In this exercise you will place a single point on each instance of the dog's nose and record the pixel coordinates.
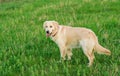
(47, 32)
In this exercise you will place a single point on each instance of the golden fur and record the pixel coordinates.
(67, 37)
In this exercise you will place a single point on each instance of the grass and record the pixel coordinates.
(25, 51)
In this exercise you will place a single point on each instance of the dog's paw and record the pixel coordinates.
(63, 58)
(69, 58)
(89, 65)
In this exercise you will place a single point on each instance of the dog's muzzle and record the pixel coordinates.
(48, 33)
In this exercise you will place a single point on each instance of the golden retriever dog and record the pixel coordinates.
(67, 37)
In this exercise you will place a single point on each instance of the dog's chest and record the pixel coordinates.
(55, 39)
(58, 40)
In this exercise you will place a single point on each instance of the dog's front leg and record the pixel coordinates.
(63, 53)
(69, 53)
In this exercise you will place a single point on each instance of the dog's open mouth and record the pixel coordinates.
(48, 34)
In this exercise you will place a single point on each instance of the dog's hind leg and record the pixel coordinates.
(87, 47)
(90, 56)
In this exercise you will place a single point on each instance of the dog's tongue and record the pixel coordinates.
(47, 35)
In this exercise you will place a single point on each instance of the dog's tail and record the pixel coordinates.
(101, 50)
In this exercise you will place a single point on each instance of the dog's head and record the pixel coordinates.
(51, 28)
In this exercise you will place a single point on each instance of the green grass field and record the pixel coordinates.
(25, 50)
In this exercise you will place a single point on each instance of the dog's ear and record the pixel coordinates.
(56, 27)
(56, 24)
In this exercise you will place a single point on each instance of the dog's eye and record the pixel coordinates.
(46, 26)
(50, 26)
